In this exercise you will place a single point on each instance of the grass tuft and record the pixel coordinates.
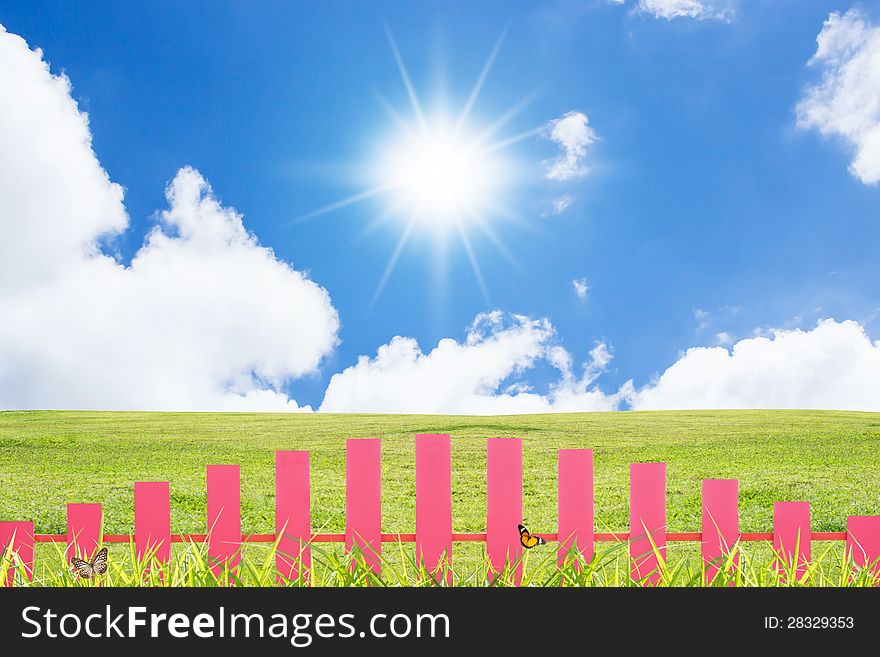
(745, 566)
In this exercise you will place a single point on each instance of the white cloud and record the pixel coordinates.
(698, 9)
(203, 318)
(573, 135)
(702, 317)
(466, 377)
(833, 366)
(562, 203)
(846, 102)
(724, 339)
(581, 287)
(56, 201)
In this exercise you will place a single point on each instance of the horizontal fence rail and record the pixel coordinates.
(647, 537)
(471, 537)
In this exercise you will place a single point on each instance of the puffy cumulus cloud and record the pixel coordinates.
(55, 198)
(698, 9)
(467, 377)
(204, 318)
(846, 102)
(833, 366)
(572, 133)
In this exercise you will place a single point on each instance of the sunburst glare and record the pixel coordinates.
(439, 178)
(438, 173)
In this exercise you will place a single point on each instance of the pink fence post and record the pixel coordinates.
(504, 504)
(575, 503)
(18, 538)
(647, 519)
(83, 530)
(363, 500)
(720, 523)
(293, 521)
(863, 543)
(434, 504)
(791, 531)
(224, 518)
(152, 521)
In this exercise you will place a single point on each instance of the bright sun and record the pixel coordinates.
(440, 180)
(437, 176)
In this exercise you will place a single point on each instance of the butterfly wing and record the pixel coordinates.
(526, 539)
(99, 563)
(82, 568)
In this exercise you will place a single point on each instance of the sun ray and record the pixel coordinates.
(351, 200)
(480, 81)
(404, 127)
(379, 220)
(496, 240)
(510, 141)
(503, 213)
(392, 261)
(475, 265)
(506, 117)
(410, 91)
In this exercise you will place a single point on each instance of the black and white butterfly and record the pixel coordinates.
(86, 570)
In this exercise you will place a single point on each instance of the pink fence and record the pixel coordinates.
(504, 503)
(292, 514)
(83, 530)
(576, 508)
(224, 517)
(720, 523)
(434, 505)
(152, 520)
(434, 536)
(363, 500)
(791, 531)
(647, 519)
(17, 538)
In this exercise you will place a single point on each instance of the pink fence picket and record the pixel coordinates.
(504, 503)
(647, 519)
(292, 514)
(720, 523)
(152, 521)
(17, 541)
(83, 530)
(224, 518)
(434, 504)
(791, 535)
(363, 500)
(575, 503)
(863, 543)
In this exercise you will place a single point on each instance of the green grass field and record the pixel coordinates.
(48, 459)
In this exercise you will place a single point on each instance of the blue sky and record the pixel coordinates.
(705, 215)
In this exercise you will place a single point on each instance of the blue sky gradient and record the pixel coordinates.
(705, 209)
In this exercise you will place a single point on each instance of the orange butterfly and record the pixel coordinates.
(528, 540)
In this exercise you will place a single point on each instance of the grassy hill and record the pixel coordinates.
(47, 459)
